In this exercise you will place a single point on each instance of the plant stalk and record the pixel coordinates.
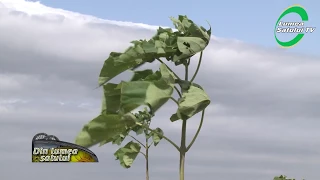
(183, 149)
(147, 159)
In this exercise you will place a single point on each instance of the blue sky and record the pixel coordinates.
(246, 20)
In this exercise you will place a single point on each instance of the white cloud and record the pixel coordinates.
(262, 121)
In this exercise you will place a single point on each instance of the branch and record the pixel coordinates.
(164, 137)
(198, 131)
(173, 99)
(179, 93)
(143, 154)
(150, 144)
(137, 141)
(198, 67)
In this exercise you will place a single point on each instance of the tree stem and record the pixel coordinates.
(147, 160)
(183, 149)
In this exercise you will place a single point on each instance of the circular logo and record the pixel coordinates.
(304, 17)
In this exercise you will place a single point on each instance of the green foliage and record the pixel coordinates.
(174, 46)
(155, 91)
(104, 127)
(149, 88)
(156, 135)
(127, 154)
(282, 177)
(193, 101)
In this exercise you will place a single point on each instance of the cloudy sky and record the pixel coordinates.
(263, 120)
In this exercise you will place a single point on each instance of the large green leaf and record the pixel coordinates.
(177, 46)
(193, 101)
(117, 63)
(111, 98)
(153, 93)
(142, 51)
(127, 154)
(157, 135)
(110, 69)
(104, 127)
(141, 75)
(191, 38)
(189, 46)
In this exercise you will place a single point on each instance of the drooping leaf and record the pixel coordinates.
(141, 93)
(110, 69)
(153, 93)
(141, 75)
(157, 136)
(193, 101)
(127, 154)
(111, 99)
(104, 127)
(176, 46)
(135, 55)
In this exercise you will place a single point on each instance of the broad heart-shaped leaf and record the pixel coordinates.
(193, 101)
(153, 92)
(127, 154)
(104, 127)
(157, 136)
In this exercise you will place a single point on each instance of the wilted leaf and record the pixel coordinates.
(104, 127)
(110, 69)
(193, 101)
(127, 154)
(153, 93)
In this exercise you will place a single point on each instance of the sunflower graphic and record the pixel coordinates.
(82, 156)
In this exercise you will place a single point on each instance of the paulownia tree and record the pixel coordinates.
(152, 89)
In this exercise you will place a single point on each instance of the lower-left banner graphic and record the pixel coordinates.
(48, 148)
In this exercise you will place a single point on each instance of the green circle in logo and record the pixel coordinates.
(304, 17)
